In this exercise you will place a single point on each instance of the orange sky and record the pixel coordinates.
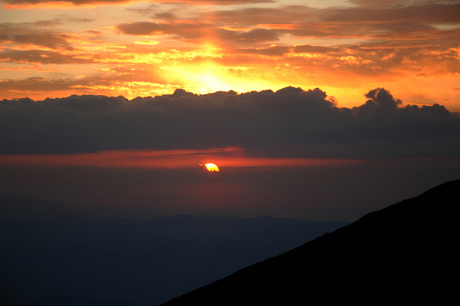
(137, 48)
(225, 158)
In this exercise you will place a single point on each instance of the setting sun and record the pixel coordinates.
(211, 167)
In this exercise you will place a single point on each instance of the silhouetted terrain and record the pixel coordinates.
(53, 254)
(405, 254)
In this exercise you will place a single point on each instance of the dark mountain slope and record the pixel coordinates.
(405, 254)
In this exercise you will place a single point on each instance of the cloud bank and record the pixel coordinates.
(291, 122)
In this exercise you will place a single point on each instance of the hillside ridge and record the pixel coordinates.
(404, 253)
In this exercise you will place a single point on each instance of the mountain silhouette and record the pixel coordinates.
(54, 254)
(405, 254)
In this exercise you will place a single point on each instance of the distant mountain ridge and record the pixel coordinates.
(22, 208)
(54, 254)
(405, 254)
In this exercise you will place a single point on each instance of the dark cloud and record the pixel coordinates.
(197, 31)
(42, 56)
(385, 57)
(316, 49)
(397, 37)
(380, 103)
(289, 122)
(146, 28)
(286, 14)
(90, 83)
(112, 2)
(62, 19)
(29, 34)
(428, 13)
(251, 36)
(376, 3)
(76, 2)
(399, 3)
(270, 51)
(348, 22)
(36, 84)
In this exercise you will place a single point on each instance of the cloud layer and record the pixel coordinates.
(290, 122)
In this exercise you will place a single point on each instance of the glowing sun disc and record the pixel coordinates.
(211, 167)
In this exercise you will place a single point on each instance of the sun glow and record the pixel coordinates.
(205, 71)
(211, 77)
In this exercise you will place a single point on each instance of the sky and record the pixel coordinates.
(149, 48)
(319, 110)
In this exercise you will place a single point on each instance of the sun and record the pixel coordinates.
(211, 167)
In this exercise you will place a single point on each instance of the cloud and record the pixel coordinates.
(26, 3)
(380, 103)
(198, 31)
(390, 32)
(146, 28)
(316, 49)
(42, 56)
(287, 123)
(398, 3)
(283, 14)
(345, 22)
(250, 36)
(269, 51)
(29, 34)
(426, 13)
(112, 80)
(36, 84)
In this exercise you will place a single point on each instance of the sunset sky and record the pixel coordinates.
(321, 109)
(137, 48)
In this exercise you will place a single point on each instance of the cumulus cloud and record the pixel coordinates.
(380, 103)
(290, 122)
